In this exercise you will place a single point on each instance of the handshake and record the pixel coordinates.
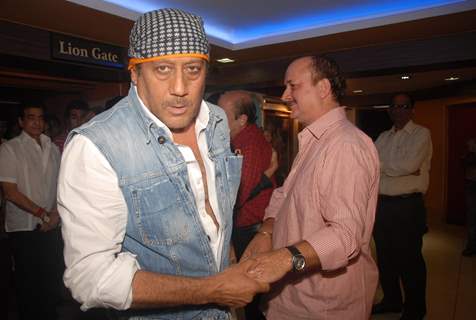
(258, 268)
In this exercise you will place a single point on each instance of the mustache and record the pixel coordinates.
(179, 101)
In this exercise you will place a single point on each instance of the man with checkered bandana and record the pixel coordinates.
(138, 191)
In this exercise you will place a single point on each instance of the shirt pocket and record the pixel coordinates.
(159, 212)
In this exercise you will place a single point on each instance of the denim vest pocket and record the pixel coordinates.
(159, 213)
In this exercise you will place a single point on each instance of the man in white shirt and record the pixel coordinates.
(405, 158)
(29, 165)
(147, 188)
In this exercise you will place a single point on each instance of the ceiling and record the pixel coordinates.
(263, 37)
(374, 41)
(249, 23)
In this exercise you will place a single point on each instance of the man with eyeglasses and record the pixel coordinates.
(405, 155)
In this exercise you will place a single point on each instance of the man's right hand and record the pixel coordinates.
(234, 287)
(53, 221)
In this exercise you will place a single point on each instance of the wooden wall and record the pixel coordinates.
(433, 115)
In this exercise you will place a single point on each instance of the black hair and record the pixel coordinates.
(29, 105)
(409, 97)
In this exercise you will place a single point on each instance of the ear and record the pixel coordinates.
(134, 76)
(20, 122)
(324, 87)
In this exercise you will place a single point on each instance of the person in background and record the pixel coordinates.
(29, 165)
(5, 257)
(315, 238)
(147, 189)
(52, 126)
(469, 162)
(77, 112)
(405, 159)
(256, 185)
(272, 136)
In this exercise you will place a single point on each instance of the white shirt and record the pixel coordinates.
(94, 215)
(34, 170)
(402, 153)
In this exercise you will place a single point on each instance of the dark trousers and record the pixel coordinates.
(400, 223)
(5, 276)
(241, 237)
(39, 266)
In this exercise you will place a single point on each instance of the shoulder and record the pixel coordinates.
(350, 139)
(55, 149)
(350, 134)
(216, 110)
(218, 116)
(12, 144)
(421, 132)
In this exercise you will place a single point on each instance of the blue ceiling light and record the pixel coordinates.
(347, 14)
(275, 24)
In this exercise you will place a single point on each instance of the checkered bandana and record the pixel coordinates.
(167, 32)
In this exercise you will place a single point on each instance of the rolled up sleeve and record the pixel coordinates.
(343, 188)
(94, 217)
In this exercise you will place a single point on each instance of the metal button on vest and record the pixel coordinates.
(161, 139)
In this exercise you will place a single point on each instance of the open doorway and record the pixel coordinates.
(461, 127)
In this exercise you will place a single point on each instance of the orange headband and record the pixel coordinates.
(134, 61)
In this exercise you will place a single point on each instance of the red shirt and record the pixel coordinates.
(256, 153)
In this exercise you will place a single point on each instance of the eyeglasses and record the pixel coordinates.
(401, 106)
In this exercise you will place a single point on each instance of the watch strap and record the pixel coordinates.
(294, 251)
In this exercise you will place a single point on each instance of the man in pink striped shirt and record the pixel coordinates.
(315, 238)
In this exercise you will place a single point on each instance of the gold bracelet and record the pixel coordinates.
(266, 233)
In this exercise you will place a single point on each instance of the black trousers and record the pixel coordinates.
(5, 275)
(400, 223)
(241, 237)
(39, 266)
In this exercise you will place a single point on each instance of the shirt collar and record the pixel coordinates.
(27, 138)
(319, 127)
(200, 123)
(408, 128)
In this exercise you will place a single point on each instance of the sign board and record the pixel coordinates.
(80, 50)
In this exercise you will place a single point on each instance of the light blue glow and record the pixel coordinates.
(331, 18)
(313, 20)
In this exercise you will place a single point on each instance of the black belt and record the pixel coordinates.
(400, 196)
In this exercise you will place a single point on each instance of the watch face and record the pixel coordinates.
(299, 263)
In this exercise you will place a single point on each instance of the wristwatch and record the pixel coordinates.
(299, 262)
(45, 218)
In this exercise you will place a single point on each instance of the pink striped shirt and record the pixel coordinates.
(329, 200)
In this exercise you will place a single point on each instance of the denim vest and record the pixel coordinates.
(163, 225)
